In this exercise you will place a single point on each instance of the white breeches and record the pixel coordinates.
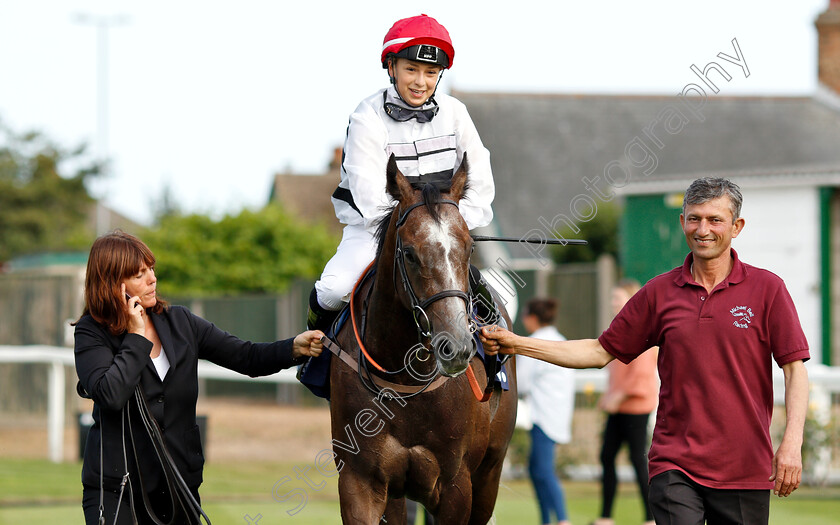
(355, 251)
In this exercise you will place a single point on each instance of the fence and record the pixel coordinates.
(37, 376)
(823, 464)
(36, 308)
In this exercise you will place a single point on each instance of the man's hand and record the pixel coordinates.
(610, 401)
(787, 469)
(308, 344)
(498, 340)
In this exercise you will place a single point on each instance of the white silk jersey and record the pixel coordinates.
(429, 151)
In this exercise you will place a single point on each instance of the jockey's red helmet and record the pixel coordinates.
(419, 38)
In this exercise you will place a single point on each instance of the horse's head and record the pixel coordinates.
(432, 257)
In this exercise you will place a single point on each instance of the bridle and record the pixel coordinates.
(418, 307)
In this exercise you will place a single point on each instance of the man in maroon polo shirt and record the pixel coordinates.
(718, 322)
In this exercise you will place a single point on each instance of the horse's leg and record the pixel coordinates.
(395, 512)
(455, 499)
(485, 485)
(362, 501)
(485, 480)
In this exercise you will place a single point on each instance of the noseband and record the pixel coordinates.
(418, 307)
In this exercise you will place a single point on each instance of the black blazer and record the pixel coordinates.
(109, 367)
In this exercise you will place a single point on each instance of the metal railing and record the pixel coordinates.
(824, 380)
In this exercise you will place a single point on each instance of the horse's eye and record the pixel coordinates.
(408, 253)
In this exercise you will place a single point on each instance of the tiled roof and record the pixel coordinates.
(543, 147)
(308, 197)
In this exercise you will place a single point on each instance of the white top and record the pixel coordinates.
(161, 363)
(420, 148)
(549, 390)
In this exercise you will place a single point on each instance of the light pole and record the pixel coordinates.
(102, 23)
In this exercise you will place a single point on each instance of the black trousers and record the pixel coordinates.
(677, 500)
(159, 499)
(620, 429)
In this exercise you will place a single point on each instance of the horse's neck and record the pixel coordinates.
(390, 331)
(387, 315)
(388, 319)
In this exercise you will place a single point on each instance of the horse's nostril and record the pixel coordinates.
(445, 350)
(448, 350)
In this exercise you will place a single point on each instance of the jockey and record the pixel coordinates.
(429, 133)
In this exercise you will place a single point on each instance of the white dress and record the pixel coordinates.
(549, 390)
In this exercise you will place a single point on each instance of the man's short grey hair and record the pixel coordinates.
(708, 188)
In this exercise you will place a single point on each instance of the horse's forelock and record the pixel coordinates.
(431, 195)
(431, 198)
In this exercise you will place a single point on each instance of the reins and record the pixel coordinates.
(185, 508)
(353, 320)
(409, 390)
(476, 389)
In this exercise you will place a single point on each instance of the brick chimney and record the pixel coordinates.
(338, 154)
(828, 35)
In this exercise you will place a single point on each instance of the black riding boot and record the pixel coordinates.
(315, 372)
(484, 307)
(319, 318)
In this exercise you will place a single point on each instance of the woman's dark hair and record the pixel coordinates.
(114, 257)
(543, 309)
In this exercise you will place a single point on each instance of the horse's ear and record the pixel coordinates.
(459, 180)
(396, 184)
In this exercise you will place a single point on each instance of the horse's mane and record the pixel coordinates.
(431, 198)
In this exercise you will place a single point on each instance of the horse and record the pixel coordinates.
(406, 422)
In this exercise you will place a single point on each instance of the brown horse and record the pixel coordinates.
(405, 421)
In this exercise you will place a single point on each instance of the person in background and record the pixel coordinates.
(630, 398)
(549, 392)
(128, 337)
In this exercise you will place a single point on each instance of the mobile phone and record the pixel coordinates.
(127, 297)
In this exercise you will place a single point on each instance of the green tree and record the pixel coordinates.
(601, 233)
(44, 203)
(253, 252)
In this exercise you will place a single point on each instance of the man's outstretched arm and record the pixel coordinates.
(580, 353)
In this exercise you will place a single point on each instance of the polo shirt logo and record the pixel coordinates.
(743, 316)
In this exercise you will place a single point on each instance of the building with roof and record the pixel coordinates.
(307, 196)
(557, 157)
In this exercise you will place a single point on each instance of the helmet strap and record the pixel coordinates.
(392, 66)
(437, 84)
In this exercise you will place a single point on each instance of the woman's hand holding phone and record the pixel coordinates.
(137, 323)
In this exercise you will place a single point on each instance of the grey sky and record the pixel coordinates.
(212, 98)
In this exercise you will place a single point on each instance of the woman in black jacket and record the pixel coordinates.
(128, 338)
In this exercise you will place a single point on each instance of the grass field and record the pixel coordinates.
(34, 491)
